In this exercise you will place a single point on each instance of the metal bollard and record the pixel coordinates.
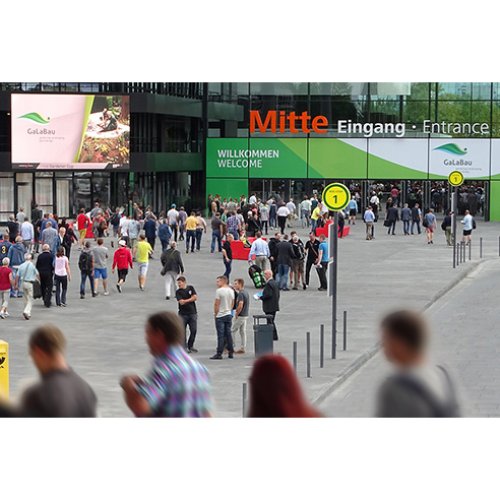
(458, 254)
(470, 250)
(308, 353)
(345, 331)
(321, 346)
(244, 404)
(4, 369)
(295, 356)
(462, 249)
(481, 247)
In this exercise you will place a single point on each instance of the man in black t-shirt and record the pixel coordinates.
(186, 298)
(312, 249)
(227, 254)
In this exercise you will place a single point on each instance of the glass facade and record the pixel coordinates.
(175, 126)
(372, 102)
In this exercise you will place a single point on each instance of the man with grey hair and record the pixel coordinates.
(6, 283)
(26, 276)
(50, 237)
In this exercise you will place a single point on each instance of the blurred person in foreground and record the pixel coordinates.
(275, 390)
(416, 388)
(60, 392)
(177, 385)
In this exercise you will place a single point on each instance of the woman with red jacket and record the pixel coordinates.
(275, 391)
(122, 260)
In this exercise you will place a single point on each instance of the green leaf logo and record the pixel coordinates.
(452, 148)
(36, 117)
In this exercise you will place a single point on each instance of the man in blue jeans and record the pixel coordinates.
(217, 226)
(284, 260)
(223, 307)
(322, 263)
(227, 255)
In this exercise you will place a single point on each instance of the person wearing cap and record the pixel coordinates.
(173, 220)
(122, 260)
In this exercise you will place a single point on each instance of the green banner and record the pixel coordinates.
(257, 158)
(335, 159)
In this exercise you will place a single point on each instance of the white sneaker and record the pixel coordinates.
(6, 314)
(106, 293)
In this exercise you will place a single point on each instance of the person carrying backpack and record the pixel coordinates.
(164, 234)
(298, 262)
(416, 388)
(86, 266)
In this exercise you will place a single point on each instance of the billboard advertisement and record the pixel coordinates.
(69, 132)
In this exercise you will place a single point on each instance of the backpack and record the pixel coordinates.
(449, 409)
(474, 223)
(115, 219)
(164, 232)
(299, 251)
(85, 262)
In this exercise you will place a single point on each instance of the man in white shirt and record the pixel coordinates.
(27, 234)
(252, 200)
(305, 211)
(282, 214)
(223, 306)
(260, 249)
(468, 222)
(123, 228)
(173, 220)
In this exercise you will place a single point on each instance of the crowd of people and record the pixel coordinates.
(178, 385)
(36, 258)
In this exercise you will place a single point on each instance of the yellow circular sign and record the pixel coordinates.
(336, 196)
(456, 178)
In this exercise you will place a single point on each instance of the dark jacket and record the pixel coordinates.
(171, 261)
(150, 229)
(13, 230)
(270, 297)
(392, 214)
(415, 217)
(16, 254)
(285, 253)
(446, 221)
(45, 263)
(273, 247)
(252, 226)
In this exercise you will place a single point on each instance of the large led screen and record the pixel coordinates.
(85, 132)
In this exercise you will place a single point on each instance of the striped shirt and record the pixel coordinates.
(177, 386)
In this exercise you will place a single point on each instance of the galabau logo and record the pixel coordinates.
(452, 148)
(36, 117)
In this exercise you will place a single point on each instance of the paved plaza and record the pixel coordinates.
(464, 339)
(106, 334)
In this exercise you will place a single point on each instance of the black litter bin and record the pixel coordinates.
(263, 329)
